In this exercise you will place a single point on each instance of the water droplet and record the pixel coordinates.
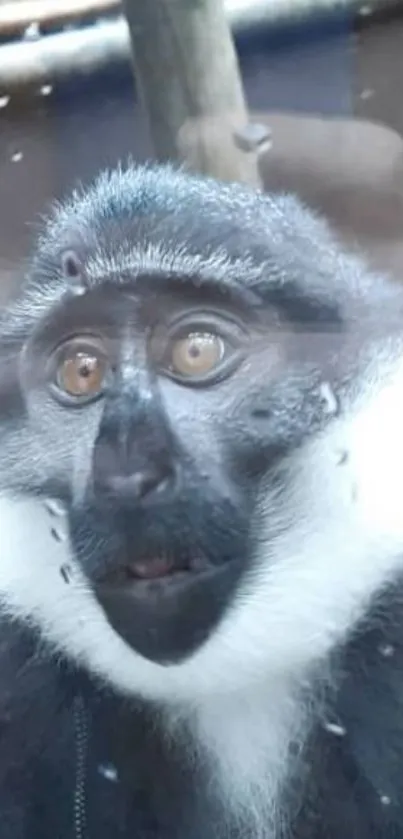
(59, 537)
(367, 93)
(334, 728)
(66, 572)
(32, 32)
(343, 458)
(54, 507)
(46, 89)
(385, 800)
(329, 399)
(4, 100)
(387, 650)
(108, 771)
(78, 290)
(17, 156)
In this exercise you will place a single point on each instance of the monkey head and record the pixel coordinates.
(200, 403)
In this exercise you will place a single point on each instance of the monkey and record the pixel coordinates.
(201, 529)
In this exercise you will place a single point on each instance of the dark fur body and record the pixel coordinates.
(137, 784)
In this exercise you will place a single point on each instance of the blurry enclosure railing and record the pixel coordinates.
(84, 36)
(319, 75)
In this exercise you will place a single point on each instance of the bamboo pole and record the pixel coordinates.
(189, 80)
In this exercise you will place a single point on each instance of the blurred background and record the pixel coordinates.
(322, 81)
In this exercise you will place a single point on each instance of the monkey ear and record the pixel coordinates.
(72, 269)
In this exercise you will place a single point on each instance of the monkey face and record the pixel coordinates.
(196, 374)
(160, 426)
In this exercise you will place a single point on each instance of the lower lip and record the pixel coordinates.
(165, 581)
(165, 618)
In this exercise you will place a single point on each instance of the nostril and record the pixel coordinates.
(122, 477)
(149, 482)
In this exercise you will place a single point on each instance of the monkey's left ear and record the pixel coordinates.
(72, 270)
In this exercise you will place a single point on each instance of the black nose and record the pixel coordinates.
(144, 477)
(134, 457)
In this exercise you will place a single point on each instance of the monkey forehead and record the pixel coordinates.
(156, 201)
(156, 221)
(155, 218)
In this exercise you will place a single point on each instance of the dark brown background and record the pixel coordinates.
(311, 84)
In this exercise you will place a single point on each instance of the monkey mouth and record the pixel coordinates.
(163, 568)
(164, 607)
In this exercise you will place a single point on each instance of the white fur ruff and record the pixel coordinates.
(341, 540)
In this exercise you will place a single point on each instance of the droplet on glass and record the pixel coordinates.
(57, 535)
(4, 100)
(54, 507)
(387, 650)
(66, 572)
(17, 156)
(334, 728)
(329, 399)
(108, 771)
(46, 89)
(32, 32)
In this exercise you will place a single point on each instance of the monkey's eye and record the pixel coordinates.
(81, 375)
(197, 354)
(79, 371)
(198, 348)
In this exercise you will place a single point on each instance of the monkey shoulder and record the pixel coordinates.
(77, 760)
(70, 750)
(355, 754)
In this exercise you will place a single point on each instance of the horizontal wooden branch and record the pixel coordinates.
(17, 16)
(56, 57)
(93, 48)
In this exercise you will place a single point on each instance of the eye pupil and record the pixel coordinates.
(197, 354)
(86, 369)
(194, 350)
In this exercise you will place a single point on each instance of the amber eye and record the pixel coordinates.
(81, 373)
(197, 354)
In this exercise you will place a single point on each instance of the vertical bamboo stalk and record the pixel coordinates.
(189, 79)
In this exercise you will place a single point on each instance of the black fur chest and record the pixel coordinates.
(76, 763)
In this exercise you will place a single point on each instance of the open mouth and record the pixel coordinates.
(162, 570)
(165, 605)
